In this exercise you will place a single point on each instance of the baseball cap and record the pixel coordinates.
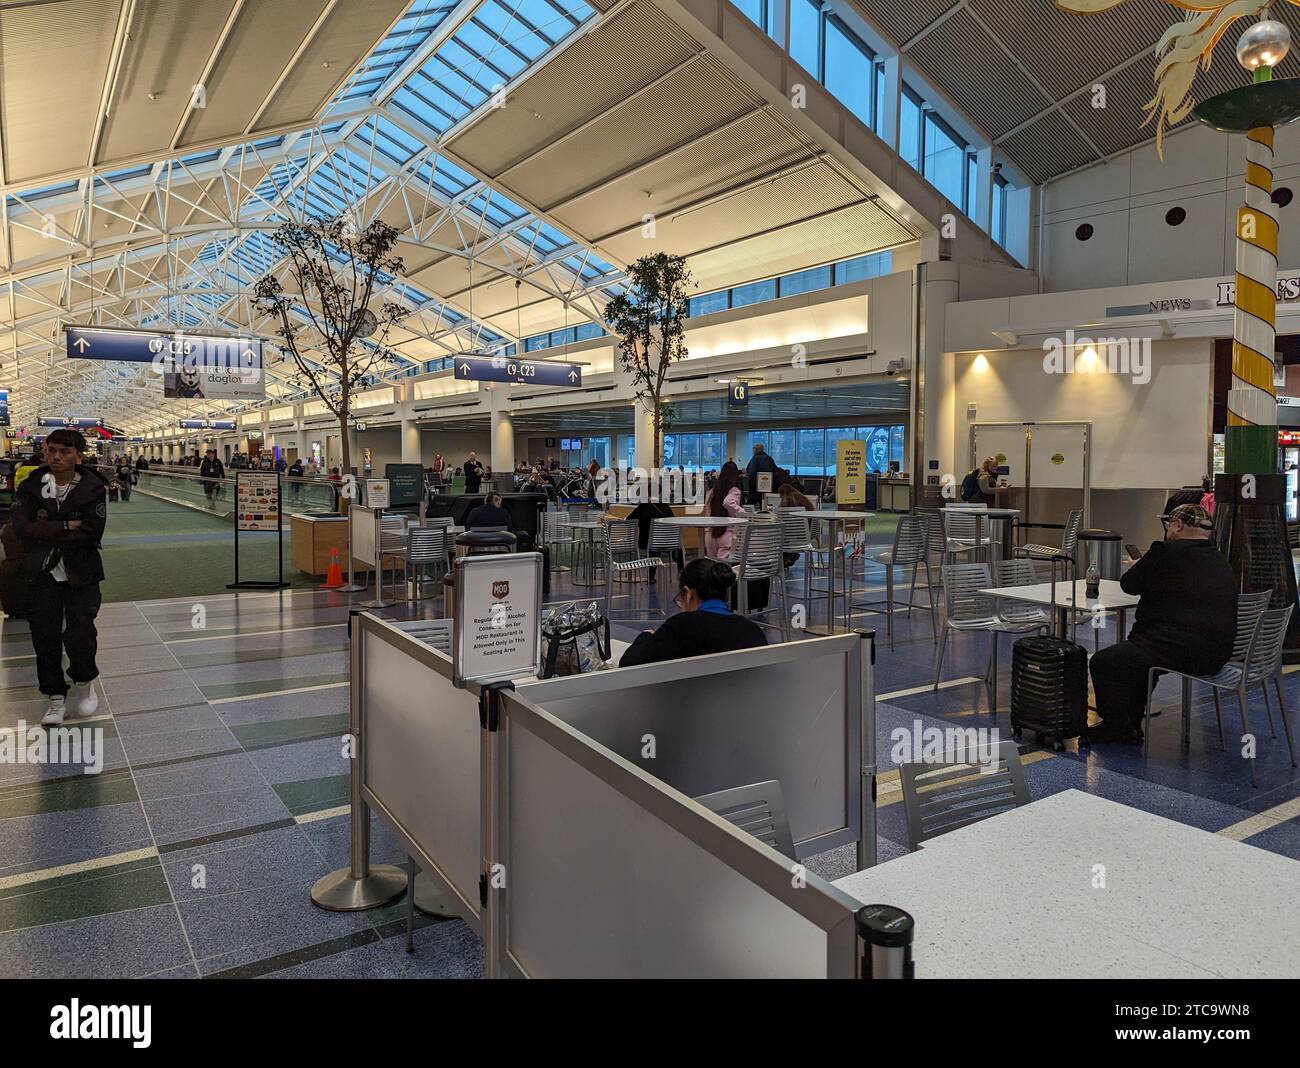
(1191, 515)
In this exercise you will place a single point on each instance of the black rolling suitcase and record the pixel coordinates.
(1049, 687)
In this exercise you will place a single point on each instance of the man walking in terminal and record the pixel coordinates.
(210, 471)
(1186, 620)
(759, 463)
(473, 473)
(59, 518)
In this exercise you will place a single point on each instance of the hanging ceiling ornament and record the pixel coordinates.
(1189, 45)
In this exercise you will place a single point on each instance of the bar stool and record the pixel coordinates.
(424, 545)
(761, 557)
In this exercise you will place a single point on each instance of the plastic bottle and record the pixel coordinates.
(1094, 582)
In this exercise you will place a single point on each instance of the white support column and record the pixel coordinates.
(503, 433)
(410, 441)
(892, 101)
(984, 188)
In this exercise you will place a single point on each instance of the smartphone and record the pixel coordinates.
(1133, 551)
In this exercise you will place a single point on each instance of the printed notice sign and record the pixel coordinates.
(850, 472)
(497, 627)
(377, 493)
(257, 500)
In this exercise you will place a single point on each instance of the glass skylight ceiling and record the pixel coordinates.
(493, 47)
(376, 130)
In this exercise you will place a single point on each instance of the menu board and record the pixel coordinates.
(257, 500)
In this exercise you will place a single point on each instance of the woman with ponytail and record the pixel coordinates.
(704, 625)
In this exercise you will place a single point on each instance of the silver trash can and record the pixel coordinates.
(1100, 547)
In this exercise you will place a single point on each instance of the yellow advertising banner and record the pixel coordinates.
(850, 472)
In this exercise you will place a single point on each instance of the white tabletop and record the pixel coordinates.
(588, 524)
(1018, 896)
(993, 513)
(702, 521)
(830, 514)
(1112, 595)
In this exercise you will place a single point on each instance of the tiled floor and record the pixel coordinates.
(224, 789)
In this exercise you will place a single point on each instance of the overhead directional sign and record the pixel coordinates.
(738, 395)
(192, 365)
(49, 422)
(523, 372)
(207, 424)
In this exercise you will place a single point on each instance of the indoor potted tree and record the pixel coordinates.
(648, 317)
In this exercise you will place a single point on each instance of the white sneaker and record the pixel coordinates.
(83, 699)
(58, 708)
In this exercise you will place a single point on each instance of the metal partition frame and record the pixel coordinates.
(426, 780)
(588, 920)
(1028, 427)
(727, 720)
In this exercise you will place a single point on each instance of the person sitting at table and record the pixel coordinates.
(488, 515)
(704, 625)
(1186, 620)
(723, 500)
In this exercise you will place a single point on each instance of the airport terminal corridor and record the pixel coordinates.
(654, 490)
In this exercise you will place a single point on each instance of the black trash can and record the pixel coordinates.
(1100, 547)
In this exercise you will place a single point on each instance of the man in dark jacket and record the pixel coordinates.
(1186, 620)
(59, 517)
(488, 515)
(210, 471)
(473, 474)
(759, 463)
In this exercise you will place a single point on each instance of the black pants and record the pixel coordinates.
(1119, 676)
(126, 491)
(211, 489)
(62, 618)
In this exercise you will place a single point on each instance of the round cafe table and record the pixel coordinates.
(703, 522)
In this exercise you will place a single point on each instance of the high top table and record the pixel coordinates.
(703, 522)
(1076, 886)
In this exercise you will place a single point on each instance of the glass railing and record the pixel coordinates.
(185, 486)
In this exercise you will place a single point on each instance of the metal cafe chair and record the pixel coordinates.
(761, 557)
(942, 797)
(965, 530)
(623, 557)
(967, 609)
(557, 530)
(908, 550)
(1261, 663)
(424, 546)
(1069, 539)
(666, 540)
(757, 809)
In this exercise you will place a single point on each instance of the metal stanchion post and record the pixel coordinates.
(379, 601)
(359, 886)
(867, 751)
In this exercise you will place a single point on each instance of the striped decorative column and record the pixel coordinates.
(1251, 433)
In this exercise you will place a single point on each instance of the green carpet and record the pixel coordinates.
(154, 549)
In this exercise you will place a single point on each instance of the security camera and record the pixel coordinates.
(893, 367)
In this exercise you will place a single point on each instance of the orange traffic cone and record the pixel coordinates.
(334, 576)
